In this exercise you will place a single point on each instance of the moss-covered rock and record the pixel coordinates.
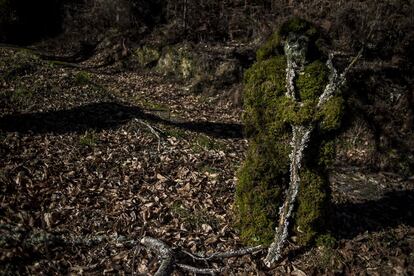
(147, 56)
(268, 118)
(178, 60)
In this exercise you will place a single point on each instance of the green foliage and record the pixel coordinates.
(271, 48)
(326, 240)
(268, 118)
(82, 78)
(192, 219)
(146, 56)
(19, 64)
(300, 26)
(263, 85)
(178, 60)
(331, 113)
(257, 196)
(21, 96)
(89, 139)
(203, 142)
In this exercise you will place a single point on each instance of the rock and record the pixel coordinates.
(228, 72)
(178, 60)
(147, 56)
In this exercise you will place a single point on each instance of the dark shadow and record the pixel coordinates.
(108, 115)
(395, 208)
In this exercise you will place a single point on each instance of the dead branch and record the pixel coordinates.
(228, 254)
(208, 271)
(168, 257)
(153, 131)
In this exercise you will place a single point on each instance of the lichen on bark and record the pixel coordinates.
(272, 113)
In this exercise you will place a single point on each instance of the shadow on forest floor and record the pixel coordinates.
(393, 209)
(108, 115)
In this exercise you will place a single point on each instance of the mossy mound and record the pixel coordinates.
(179, 60)
(147, 56)
(268, 118)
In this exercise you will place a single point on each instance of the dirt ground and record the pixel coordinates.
(93, 160)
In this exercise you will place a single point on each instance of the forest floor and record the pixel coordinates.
(93, 160)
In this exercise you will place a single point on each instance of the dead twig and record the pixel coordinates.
(208, 271)
(153, 131)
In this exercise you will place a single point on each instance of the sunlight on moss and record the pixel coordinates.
(268, 118)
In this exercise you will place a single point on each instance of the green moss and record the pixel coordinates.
(313, 200)
(326, 240)
(256, 217)
(263, 87)
(203, 142)
(21, 96)
(327, 153)
(147, 55)
(331, 113)
(193, 219)
(312, 82)
(271, 48)
(89, 139)
(178, 60)
(268, 118)
(297, 25)
(82, 78)
(21, 63)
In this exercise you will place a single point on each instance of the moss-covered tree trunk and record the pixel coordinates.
(290, 111)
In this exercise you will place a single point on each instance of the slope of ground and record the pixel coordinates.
(93, 160)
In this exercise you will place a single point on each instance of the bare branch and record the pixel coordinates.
(168, 260)
(153, 131)
(208, 271)
(228, 254)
